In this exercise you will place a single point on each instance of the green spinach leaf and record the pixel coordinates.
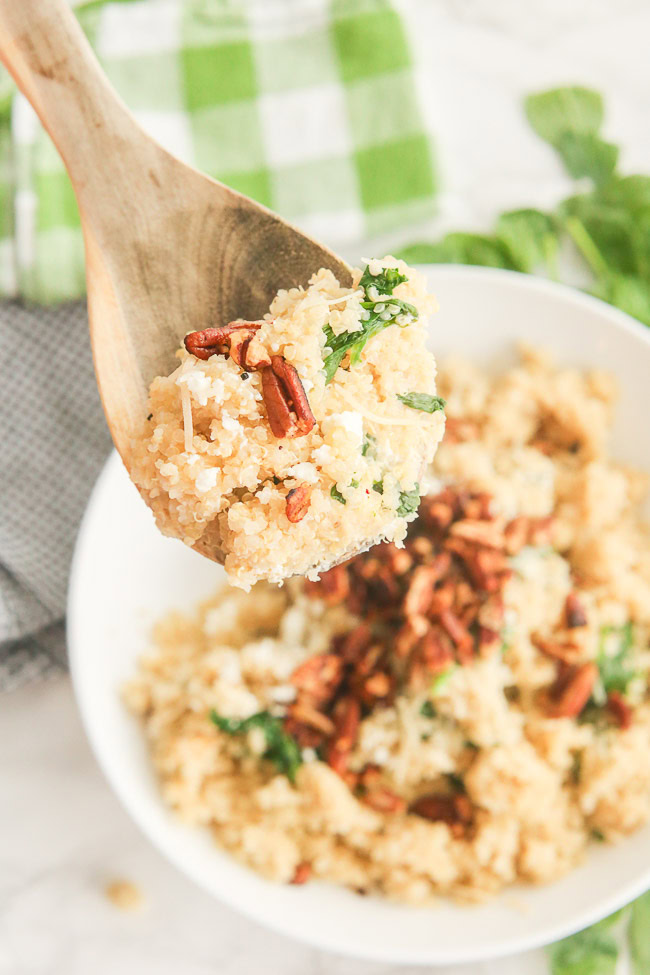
(560, 110)
(532, 238)
(586, 154)
(639, 935)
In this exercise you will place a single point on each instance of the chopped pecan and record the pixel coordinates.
(383, 800)
(217, 341)
(302, 873)
(442, 599)
(475, 506)
(456, 811)
(481, 532)
(333, 587)
(297, 503)
(619, 709)
(557, 648)
(351, 646)
(572, 690)
(399, 560)
(409, 635)
(488, 640)
(286, 402)
(421, 587)
(248, 352)
(439, 514)
(436, 651)
(540, 531)
(458, 429)
(459, 634)
(516, 534)
(305, 713)
(318, 677)
(378, 685)
(347, 717)
(305, 735)
(574, 612)
(370, 776)
(491, 612)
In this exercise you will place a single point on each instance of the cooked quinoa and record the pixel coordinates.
(288, 444)
(444, 719)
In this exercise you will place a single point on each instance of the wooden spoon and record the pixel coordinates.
(168, 250)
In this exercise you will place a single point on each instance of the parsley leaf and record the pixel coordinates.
(560, 110)
(461, 248)
(377, 315)
(385, 282)
(281, 748)
(336, 494)
(368, 445)
(615, 672)
(409, 502)
(639, 935)
(532, 237)
(427, 710)
(423, 401)
(590, 952)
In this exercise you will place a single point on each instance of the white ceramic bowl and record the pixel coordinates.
(125, 575)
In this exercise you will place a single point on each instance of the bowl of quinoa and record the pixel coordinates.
(457, 725)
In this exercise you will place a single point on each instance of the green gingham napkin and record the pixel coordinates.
(309, 106)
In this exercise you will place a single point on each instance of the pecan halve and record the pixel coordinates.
(480, 532)
(302, 873)
(456, 811)
(333, 587)
(217, 341)
(347, 718)
(286, 402)
(318, 676)
(247, 351)
(619, 709)
(572, 690)
(297, 503)
(305, 713)
(383, 800)
(574, 612)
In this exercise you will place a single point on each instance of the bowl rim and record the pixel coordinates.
(554, 932)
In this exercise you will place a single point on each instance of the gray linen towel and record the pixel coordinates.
(53, 442)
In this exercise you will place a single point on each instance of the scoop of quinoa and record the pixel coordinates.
(217, 476)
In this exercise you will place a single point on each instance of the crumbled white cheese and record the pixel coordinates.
(323, 455)
(303, 472)
(230, 423)
(206, 480)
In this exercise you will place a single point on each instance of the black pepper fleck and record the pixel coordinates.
(244, 375)
(150, 417)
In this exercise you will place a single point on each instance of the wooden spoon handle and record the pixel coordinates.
(46, 51)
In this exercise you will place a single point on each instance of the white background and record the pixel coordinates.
(62, 834)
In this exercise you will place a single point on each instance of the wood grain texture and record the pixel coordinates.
(168, 250)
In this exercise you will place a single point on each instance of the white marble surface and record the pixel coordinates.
(62, 833)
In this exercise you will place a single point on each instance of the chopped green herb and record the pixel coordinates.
(336, 494)
(597, 836)
(376, 316)
(615, 672)
(456, 782)
(368, 445)
(440, 680)
(281, 748)
(409, 501)
(385, 282)
(423, 401)
(378, 486)
(427, 710)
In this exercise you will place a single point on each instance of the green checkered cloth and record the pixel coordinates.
(309, 106)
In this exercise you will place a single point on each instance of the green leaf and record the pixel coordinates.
(610, 228)
(560, 110)
(590, 952)
(466, 248)
(630, 294)
(409, 501)
(368, 445)
(385, 282)
(531, 238)
(639, 935)
(336, 494)
(423, 401)
(440, 680)
(586, 154)
(427, 710)
(420, 253)
(281, 748)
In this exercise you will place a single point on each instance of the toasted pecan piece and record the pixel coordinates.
(479, 531)
(287, 406)
(384, 800)
(297, 503)
(574, 612)
(516, 534)
(556, 647)
(436, 650)
(305, 713)
(347, 718)
(572, 689)
(217, 341)
(619, 709)
(333, 587)
(456, 811)
(409, 635)
(318, 677)
(302, 873)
